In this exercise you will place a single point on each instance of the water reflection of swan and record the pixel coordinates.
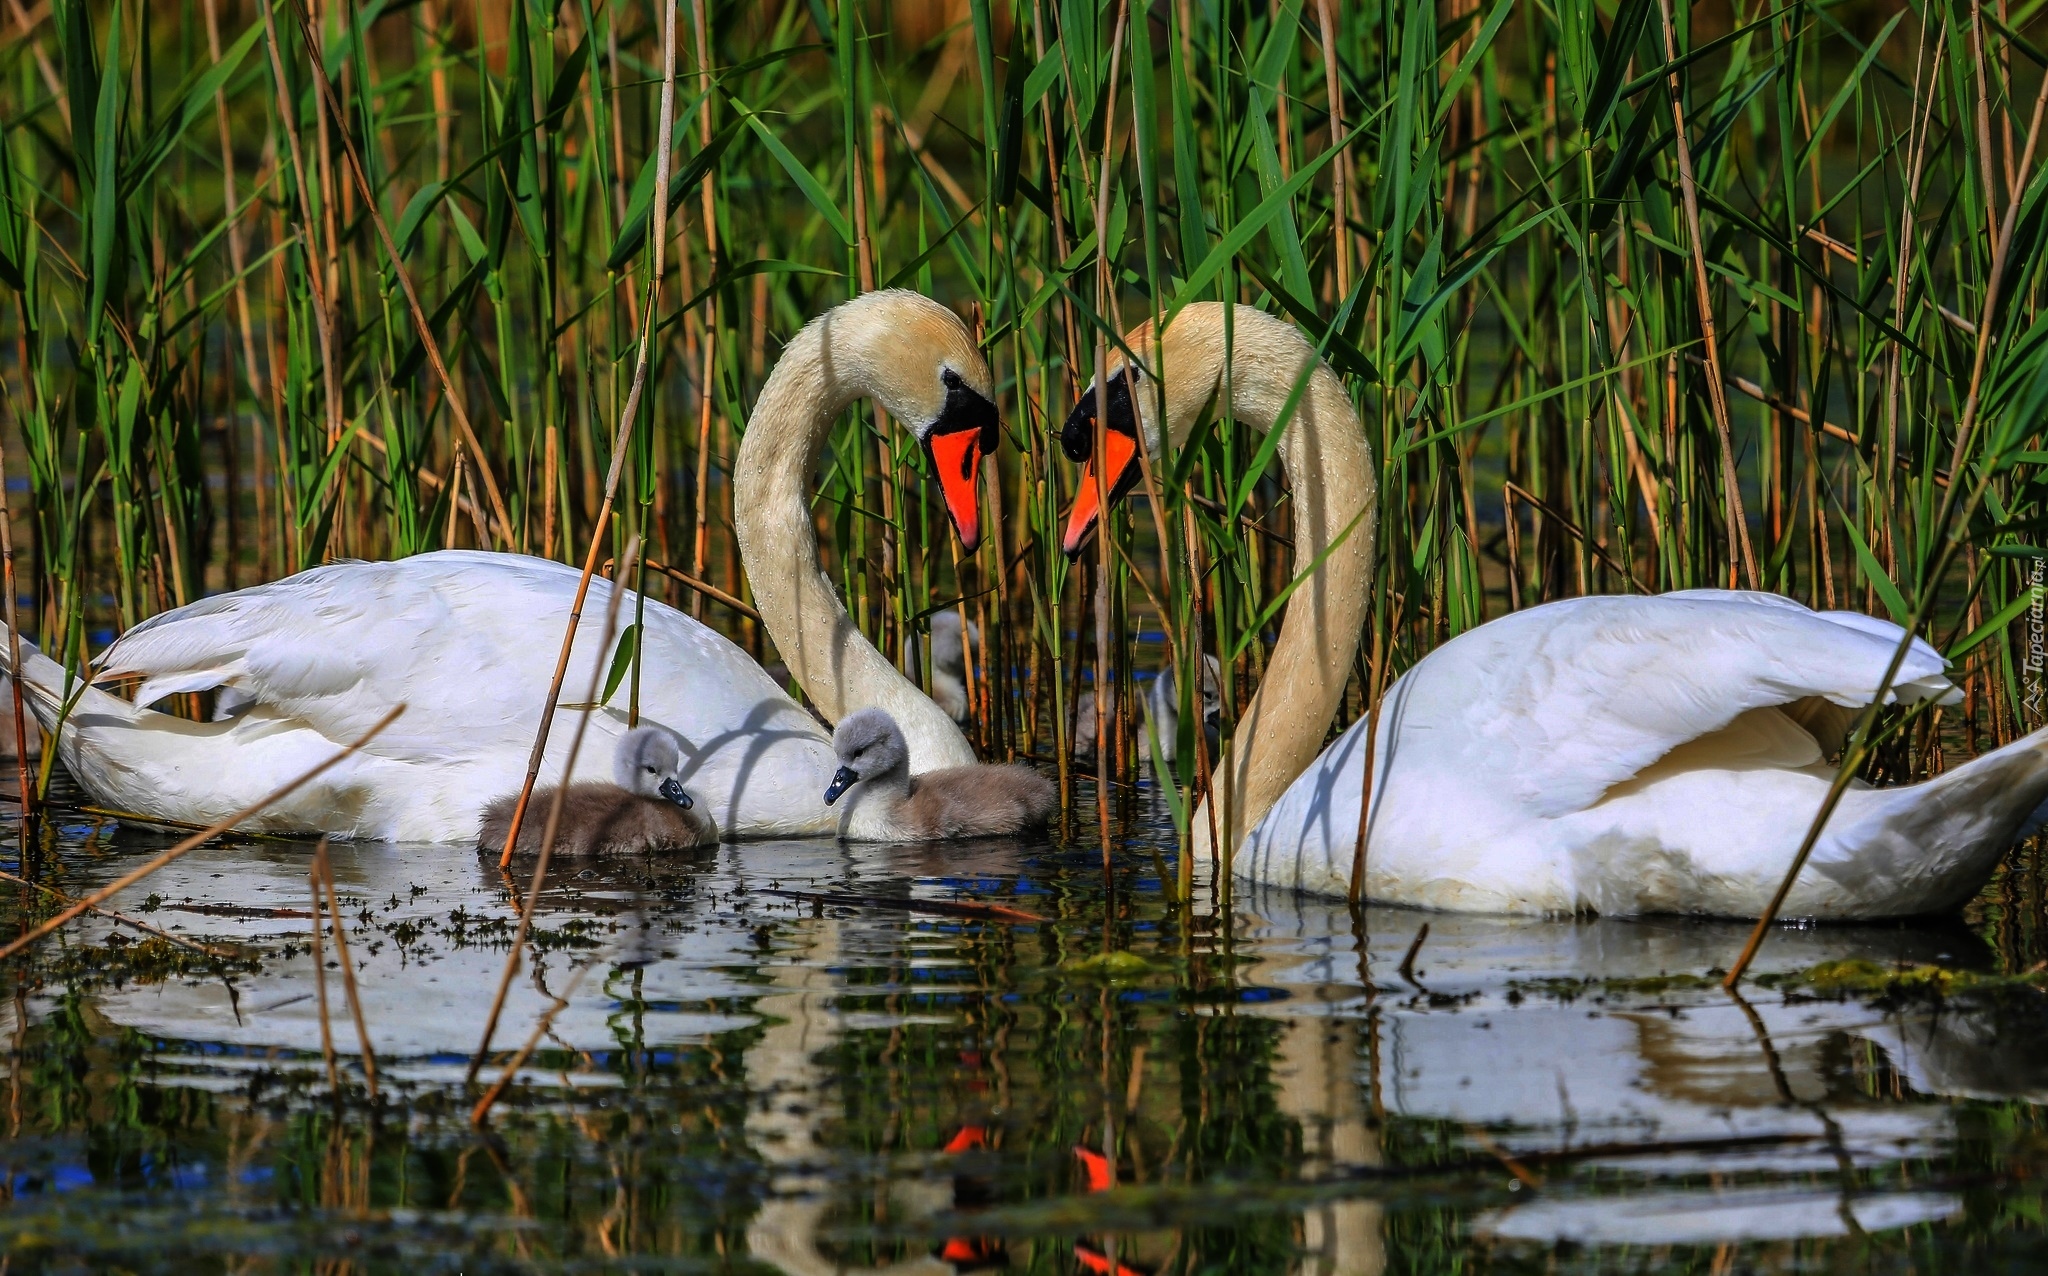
(1714, 1217)
(435, 935)
(1499, 1045)
(796, 1099)
(1316, 1082)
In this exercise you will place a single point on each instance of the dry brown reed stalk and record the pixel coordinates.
(323, 866)
(200, 838)
(14, 656)
(1372, 730)
(238, 262)
(287, 117)
(1106, 753)
(123, 918)
(553, 826)
(703, 587)
(1407, 966)
(316, 884)
(601, 525)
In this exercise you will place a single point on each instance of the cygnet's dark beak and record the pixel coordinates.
(842, 780)
(672, 789)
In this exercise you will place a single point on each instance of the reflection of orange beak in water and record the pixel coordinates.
(957, 458)
(1120, 451)
(1101, 1178)
(1101, 1174)
(1094, 1260)
(971, 1253)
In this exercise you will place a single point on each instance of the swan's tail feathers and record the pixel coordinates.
(1929, 847)
(43, 687)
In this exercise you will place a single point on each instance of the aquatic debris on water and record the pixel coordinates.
(1861, 977)
(1116, 966)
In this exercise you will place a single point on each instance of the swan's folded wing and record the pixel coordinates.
(1553, 706)
(338, 646)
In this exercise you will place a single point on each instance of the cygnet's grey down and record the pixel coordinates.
(1162, 707)
(949, 662)
(888, 804)
(646, 809)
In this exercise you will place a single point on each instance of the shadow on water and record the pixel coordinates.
(745, 1081)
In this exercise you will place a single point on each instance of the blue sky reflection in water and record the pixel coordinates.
(748, 1082)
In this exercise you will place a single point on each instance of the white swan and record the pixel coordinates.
(1326, 460)
(1648, 755)
(1611, 755)
(468, 641)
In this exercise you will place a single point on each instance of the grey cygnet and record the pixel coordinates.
(1161, 705)
(949, 662)
(961, 801)
(644, 809)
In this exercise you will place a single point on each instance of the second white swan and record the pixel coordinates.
(1596, 755)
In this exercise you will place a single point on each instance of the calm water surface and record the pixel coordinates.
(739, 1081)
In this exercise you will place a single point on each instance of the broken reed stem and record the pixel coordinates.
(323, 864)
(123, 918)
(547, 837)
(199, 839)
(315, 883)
(1523, 1174)
(665, 134)
(1407, 967)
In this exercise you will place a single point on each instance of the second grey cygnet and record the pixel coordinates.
(892, 805)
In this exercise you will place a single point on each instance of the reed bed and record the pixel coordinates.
(1631, 298)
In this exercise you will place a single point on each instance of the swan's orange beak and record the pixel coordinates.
(957, 458)
(1119, 450)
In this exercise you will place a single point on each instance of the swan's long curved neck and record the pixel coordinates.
(825, 367)
(1329, 468)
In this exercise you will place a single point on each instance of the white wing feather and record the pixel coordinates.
(1561, 702)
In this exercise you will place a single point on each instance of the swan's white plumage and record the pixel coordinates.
(467, 641)
(1634, 755)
